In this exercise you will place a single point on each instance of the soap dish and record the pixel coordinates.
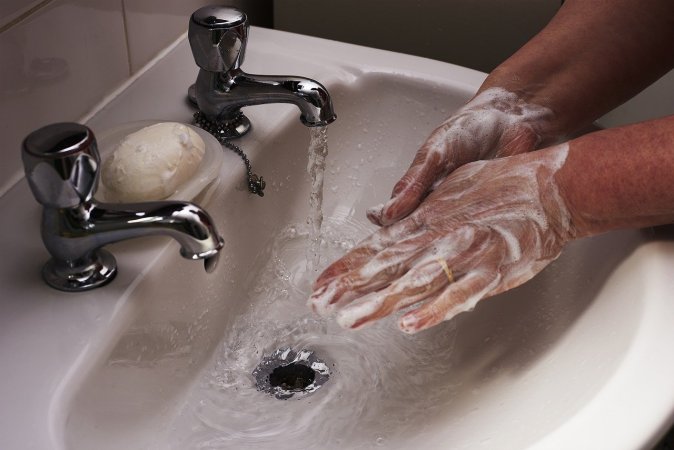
(206, 175)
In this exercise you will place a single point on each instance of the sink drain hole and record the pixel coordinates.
(293, 377)
(286, 373)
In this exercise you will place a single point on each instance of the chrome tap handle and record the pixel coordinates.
(62, 166)
(218, 37)
(61, 162)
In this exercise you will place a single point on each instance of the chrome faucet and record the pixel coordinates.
(218, 36)
(62, 166)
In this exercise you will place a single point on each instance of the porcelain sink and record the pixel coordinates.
(163, 358)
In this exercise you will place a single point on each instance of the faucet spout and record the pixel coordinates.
(220, 96)
(74, 236)
(71, 233)
(218, 38)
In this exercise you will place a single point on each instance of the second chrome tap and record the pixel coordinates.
(62, 166)
(218, 37)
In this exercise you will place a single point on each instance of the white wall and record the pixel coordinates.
(59, 58)
(473, 33)
(656, 101)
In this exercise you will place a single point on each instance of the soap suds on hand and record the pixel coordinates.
(152, 163)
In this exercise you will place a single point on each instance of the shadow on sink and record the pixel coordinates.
(178, 374)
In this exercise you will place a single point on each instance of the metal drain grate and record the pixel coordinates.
(286, 373)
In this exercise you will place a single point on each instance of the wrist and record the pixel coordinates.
(559, 215)
(620, 178)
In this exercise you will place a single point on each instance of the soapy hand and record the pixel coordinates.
(488, 227)
(493, 124)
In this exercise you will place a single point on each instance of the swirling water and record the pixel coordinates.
(384, 385)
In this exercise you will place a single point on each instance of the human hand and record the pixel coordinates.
(488, 227)
(493, 124)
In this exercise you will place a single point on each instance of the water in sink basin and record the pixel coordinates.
(381, 379)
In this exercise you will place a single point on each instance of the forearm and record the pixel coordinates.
(592, 56)
(620, 178)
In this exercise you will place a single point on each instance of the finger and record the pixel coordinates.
(430, 163)
(458, 297)
(347, 263)
(419, 284)
(388, 265)
(367, 249)
(429, 275)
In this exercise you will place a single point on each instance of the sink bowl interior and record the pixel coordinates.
(177, 371)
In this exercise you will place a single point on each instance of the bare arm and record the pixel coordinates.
(490, 226)
(620, 178)
(592, 56)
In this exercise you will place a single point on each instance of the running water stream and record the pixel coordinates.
(318, 152)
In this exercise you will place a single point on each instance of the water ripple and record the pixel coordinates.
(382, 383)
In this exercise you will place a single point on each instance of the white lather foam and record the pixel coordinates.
(523, 210)
(481, 122)
(486, 117)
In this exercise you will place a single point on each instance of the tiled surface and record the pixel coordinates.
(59, 58)
(10, 10)
(57, 64)
(154, 24)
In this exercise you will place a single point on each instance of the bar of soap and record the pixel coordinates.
(152, 163)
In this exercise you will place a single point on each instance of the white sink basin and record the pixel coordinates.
(163, 357)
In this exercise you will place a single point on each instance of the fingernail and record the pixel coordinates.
(318, 291)
(320, 301)
(355, 314)
(375, 213)
(409, 323)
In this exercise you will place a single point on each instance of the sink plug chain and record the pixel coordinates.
(256, 184)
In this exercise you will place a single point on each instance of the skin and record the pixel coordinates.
(592, 56)
(457, 231)
(497, 223)
(495, 123)
(495, 233)
(621, 178)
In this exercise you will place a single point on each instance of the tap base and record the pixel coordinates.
(224, 130)
(192, 94)
(97, 271)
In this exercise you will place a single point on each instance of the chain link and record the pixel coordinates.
(256, 184)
